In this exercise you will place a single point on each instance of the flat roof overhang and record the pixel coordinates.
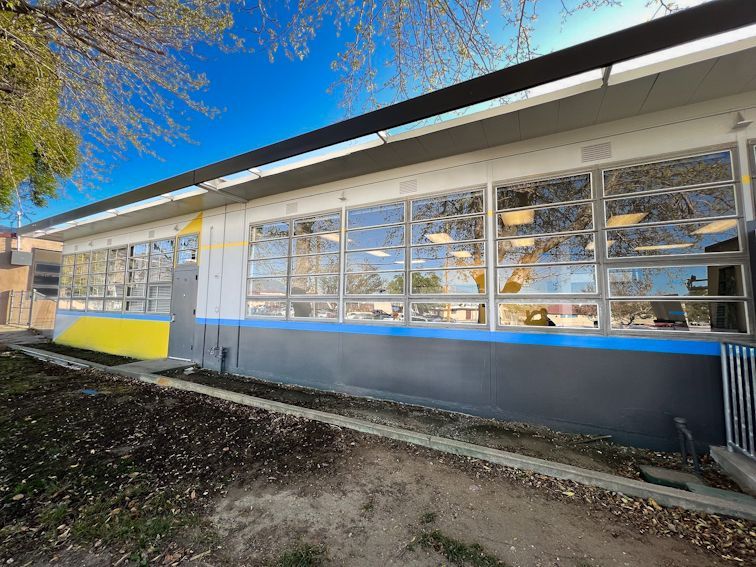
(717, 72)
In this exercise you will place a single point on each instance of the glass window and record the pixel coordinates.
(266, 308)
(316, 224)
(688, 238)
(388, 283)
(449, 255)
(549, 315)
(671, 315)
(691, 281)
(543, 192)
(267, 269)
(314, 309)
(547, 249)
(449, 282)
(375, 260)
(447, 231)
(376, 238)
(392, 213)
(314, 285)
(315, 244)
(548, 220)
(682, 205)
(452, 205)
(574, 279)
(315, 264)
(457, 313)
(135, 306)
(383, 311)
(679, 172)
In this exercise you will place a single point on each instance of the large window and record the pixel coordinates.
(675, 256)
(546, 253)
(137, 278)
(448, 259)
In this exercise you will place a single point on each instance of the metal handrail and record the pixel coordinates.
(739, 394)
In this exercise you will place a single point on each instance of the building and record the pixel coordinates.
(572, 259)
(32, 265)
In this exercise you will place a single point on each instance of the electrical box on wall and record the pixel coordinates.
(21, 258)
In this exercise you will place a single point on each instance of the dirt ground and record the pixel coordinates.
(534, 441)
(98, 470)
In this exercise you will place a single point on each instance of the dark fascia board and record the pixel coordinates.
(681, 27)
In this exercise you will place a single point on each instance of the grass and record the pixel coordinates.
(303, 555)
(457, 552)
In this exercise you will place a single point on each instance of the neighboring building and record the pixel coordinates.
(33, 266)
(573, 259)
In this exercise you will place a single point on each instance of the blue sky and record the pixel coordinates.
(264, 102)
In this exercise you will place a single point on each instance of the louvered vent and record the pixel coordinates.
(110, 241)
(151, 234)
(408, 186)
(596, 152)
(76, 247)
(291, 208)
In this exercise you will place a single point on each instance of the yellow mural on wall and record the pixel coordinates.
(138, 338)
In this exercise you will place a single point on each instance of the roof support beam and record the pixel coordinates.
(681, 27)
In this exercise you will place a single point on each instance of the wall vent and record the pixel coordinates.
(151, 234)
(408, 186)
(596, 152)
(110, 241)
(291, 208)
(76, 247)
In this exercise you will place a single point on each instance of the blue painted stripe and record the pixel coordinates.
(705, 348)
(105, 315)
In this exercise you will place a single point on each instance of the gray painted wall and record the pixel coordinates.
(630, 395)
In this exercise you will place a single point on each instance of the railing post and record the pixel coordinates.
(31, 309)
(726, 394)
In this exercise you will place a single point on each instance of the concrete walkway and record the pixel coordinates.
(155, 366)
(10, 335)
(662, 495)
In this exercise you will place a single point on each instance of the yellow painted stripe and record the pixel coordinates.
(746, 179)
(490, 212)
(223, 245)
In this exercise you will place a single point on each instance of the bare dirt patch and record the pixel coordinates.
(532, 440)
(137, 474)
(85, 354)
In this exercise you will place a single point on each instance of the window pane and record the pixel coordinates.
(94, 305)
(98, 267)
(82, 258)
(68, 260)
(375, 283)
(113, 305)
(277, 267)
(99, 255)
(315, 244)
(571, 218)
(266, 286)
(316, 224)
(447, 231)
(269, 249)
(162, 247)
(96, 291)
(268, 230)
(315, 309)
(117, 253)
(138, 263)
(114, 291)
(556, 315)
(693, 316)
(81, 269)
(462, 313)
(448, 282)
(375, 260)
(118, 265)
(575, 279)
(186, 257)
(188, 242)
(97, 279)
(139, 276)
(135, 306)
(449, 255)
(320, 264)
(161, 275)
(683, 205)
(65, 292)
(66, 280)
(455, 204)
(52, 268)
(119, 278)
(375, 238)
(45, 281)
(543, 192)
(697, 170)
(315, 285)
(64, 304)
(384, 311)
(374, 216)
(158, 305)
(266, 308)
(161, 261)
(689, 238)
(140, 249)
(159, 292)
(78, 304)
(547, 249)
(695, 281)
(138, 290)
(67, 270)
